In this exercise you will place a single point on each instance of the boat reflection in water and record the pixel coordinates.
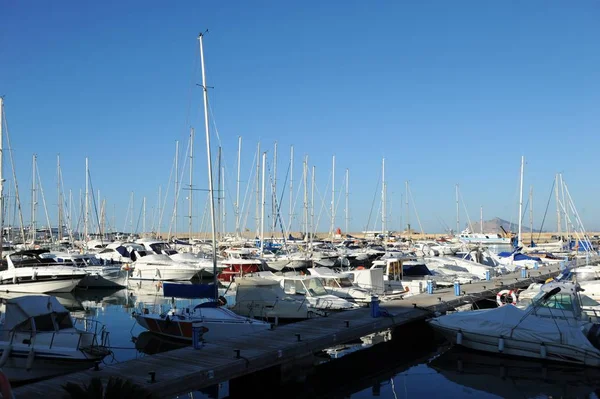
(510, 377)
(151, 344)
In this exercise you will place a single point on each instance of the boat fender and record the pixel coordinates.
(543, 351)
(15, 279)
(506, 294)
(501, 344)
(30, 358)
(5, 355)
(5, 387)
(459, 337)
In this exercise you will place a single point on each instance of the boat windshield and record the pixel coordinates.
(314, 286)
(556, 301)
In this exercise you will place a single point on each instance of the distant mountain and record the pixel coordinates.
(496, 224)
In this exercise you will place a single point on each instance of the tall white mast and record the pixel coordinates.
(332, 228)
(176, 196)
(457, 212)
(144, 215)
(305, 179)
(274, 193)
(558, 227)
(219, 193)
(223, 204)
(520, 241)
(86, 217)
(262, 208)
(407, 212)
(313, 228)
(481, 219)
(191, 193)
(210, 174)
(158, 222)
(131, 215)
(347, 194)
(531, 211)
(383, 210)
(237, 190)
(564, 205)
(257, 193)
(291, 187)
(60, 213)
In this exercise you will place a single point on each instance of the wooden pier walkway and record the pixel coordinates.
(184, 370)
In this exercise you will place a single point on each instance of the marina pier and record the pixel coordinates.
(188, 369)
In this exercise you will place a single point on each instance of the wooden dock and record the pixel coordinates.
(184, 370)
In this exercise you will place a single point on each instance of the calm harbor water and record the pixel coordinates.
(408, 362)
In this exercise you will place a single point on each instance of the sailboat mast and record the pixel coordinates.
(531, 212)
(383, 210)
(219, 188)
(257, 193)
(237, 189)
(191, 193)
(176, 187)
(223, 203)
(347, 194)
(274, 193)
(60, 215)
(210, 174)
(144, 216)
(332, 228)
(407, 212)
(305, 179)
(313, 228)
(481, 219)
(457, 212)
(558, 227)
(262, 207)
(86, 217)
(291, 187)
(520, 238)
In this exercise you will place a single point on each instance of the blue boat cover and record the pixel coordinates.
(189, 290)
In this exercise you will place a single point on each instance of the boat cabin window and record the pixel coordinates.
(558, 301)
(331, 282)
(158, 247)
(44, 322)
(587, 301)
(345, 282)
(293, 287)
(315, 287)
(169, 252)
(416, 270)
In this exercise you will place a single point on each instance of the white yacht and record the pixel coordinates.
(99, 274)
(27, 272)
(340, 284)
(148, 265)
(311, 289)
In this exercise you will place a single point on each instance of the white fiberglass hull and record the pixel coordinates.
(42, 287)
(163, 273)
(514, 347)
(104, 280)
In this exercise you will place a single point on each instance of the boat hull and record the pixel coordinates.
(213, 329)
(520, 348)
(41, 287)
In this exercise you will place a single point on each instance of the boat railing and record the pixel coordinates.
(93, 327)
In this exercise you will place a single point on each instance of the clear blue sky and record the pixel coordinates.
(447, 91)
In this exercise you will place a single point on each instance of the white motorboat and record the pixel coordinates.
(552, 327)
(264, 299)
(27, 272)
(99, 275)
(311, 289)
(148, 265)
(340, 284)
(214, 320)
(39, 339)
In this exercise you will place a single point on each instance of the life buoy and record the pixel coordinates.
(506, 294)
(5, 387)
(360, 268)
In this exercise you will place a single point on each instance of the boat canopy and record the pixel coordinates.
(20, 311)
(190, 290)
